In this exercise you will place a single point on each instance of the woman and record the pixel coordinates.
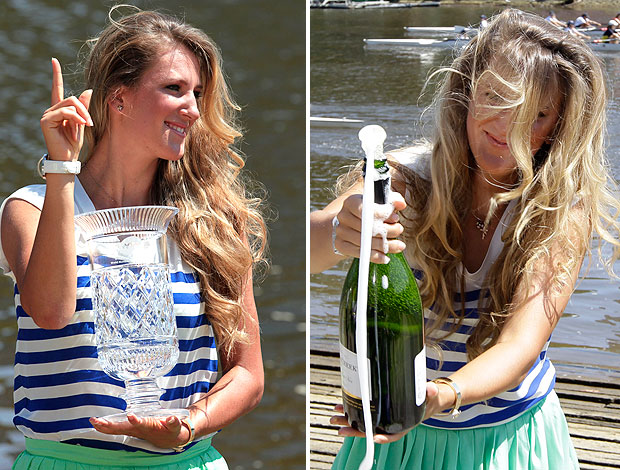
(498, 219)
(158, 121)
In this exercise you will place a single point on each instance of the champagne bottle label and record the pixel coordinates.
(348, 368)
(419, 364)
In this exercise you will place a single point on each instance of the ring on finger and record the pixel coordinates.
(335, 224)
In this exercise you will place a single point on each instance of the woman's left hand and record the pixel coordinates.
(432, 400)
(165, 433)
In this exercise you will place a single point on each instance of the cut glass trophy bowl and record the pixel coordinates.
(135, 327)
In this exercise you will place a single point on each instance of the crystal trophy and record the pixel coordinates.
(135, 327)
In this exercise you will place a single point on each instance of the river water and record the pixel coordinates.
(263, 46)
(383, 86)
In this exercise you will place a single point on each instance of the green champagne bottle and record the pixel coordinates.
(395, 324)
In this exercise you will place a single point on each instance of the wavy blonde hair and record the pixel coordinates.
(219, 229)
(529, 60)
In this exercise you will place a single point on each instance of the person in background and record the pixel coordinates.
(611, 35)
(615, 21)
(483, 22)
(552, 18)
(497, 220)
(160, 127)
(570, 28)
(584, 21)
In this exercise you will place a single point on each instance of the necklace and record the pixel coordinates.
(105, 192)
(481, 226)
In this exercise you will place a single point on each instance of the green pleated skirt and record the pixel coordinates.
(51, 455)
(536, 440)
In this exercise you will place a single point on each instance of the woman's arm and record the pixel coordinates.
(348, 208)
(505, 365)
(40, 245)
(322, 255)
(241, 387)
(40, 248)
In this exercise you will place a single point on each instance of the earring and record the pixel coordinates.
(120, 107)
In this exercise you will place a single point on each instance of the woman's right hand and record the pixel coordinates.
(349, 230)
(432, 394)
(347, 431)
(63, 123)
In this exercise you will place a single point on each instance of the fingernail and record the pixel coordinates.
(90, 122)
(385, 259)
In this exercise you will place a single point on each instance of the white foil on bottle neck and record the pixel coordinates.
(372, 138)
(383, 211)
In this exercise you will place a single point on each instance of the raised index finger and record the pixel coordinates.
(58, 91)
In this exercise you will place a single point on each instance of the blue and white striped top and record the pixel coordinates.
(507, 405)
(58, 383)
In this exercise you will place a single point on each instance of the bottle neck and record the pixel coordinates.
(382, 181)
(382, 191)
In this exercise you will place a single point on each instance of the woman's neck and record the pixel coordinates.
(115, 179)
(484, 188)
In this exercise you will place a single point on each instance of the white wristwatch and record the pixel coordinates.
(55, 166)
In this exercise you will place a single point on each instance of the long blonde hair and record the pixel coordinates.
(219, 229)
(531, 59)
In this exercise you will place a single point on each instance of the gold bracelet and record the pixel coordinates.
(190, 427)
(455, 411)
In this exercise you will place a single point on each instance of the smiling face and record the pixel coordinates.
(489, 122)
(159, 111)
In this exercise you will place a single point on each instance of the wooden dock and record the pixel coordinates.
(592, 410)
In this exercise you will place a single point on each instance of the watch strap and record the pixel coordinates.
(56, 166)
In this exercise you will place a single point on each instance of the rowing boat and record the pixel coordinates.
(434, 31)
(355, 4)
(316, 121)
(430, 31)
(443, 43)
(449, 43)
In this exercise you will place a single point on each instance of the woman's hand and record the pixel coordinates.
(431, 407)
(433, 404)
(348, 431)
(63, 123)
(348, 232)
(164, 433)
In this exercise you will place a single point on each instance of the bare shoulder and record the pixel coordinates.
(18, 230)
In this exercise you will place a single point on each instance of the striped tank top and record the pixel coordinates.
(506, 406)
(58, 383)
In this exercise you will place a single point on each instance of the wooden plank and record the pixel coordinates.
(597, 431)
(592, 410)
